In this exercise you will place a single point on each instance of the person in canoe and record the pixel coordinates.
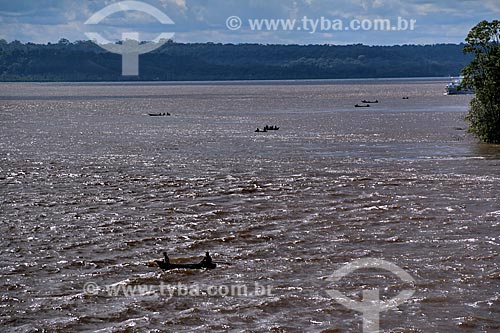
(207, 260)
(166, 259)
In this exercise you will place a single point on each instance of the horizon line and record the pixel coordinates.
(170, 41)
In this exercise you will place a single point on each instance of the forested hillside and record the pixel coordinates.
(84, 61)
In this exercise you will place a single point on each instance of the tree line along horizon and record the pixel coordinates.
(86, 61)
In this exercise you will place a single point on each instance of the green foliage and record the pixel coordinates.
(483, 73)
(85, 61)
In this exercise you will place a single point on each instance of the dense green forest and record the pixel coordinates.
(85, 61)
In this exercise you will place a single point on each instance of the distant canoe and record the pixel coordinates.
(362, 106)
(268, 128)
(370, 102)
(158, 114)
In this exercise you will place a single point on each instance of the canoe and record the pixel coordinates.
(159, 114)
(169, 266)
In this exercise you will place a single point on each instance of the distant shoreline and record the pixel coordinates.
(240, 82)
(84, 61)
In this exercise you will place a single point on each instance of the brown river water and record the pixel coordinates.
(92, 190)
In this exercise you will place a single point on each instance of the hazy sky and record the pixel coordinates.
(441, 21)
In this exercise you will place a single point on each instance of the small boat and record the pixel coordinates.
(267, 128)
(168, 266)
(206, 263)
(159, 114)
(362, 106)
(371, 102)
(455, 88)
(406, 97)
